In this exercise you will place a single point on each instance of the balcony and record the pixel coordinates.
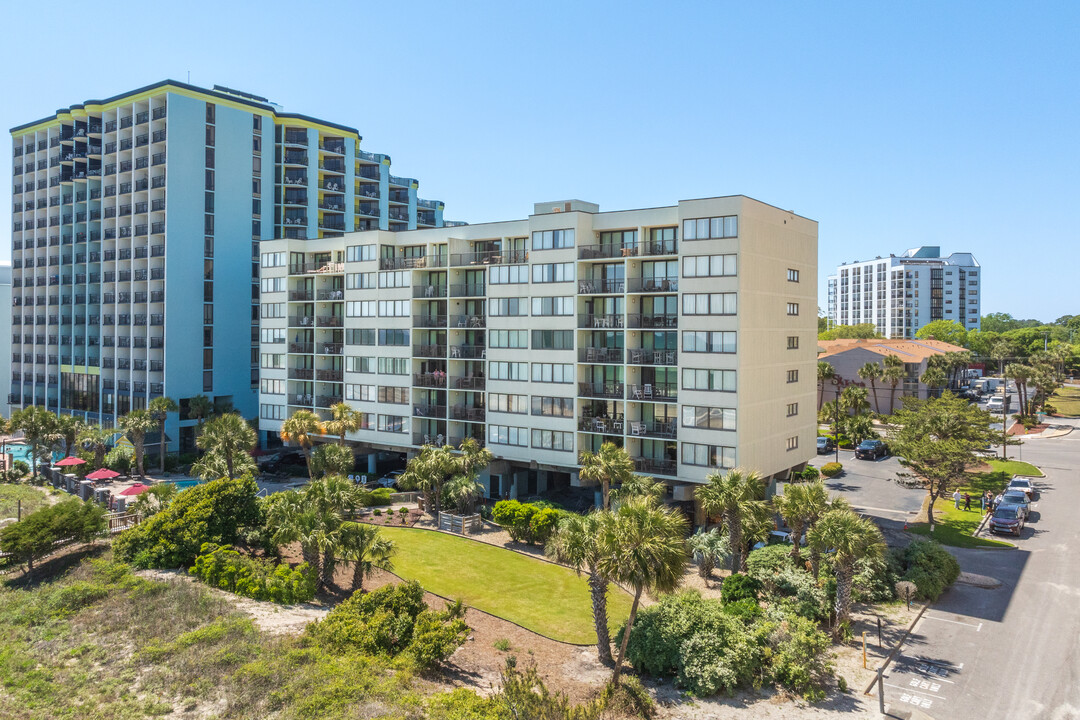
(612, 356)
(334, 184)
(296, 179)
(601, 287)
(429, 321)
(470, 383)
(429, 351)
(319, 268)
(295, 158)
(653, 357)
(652, 285)
(586, 320)
(468, 321)
(661, 429)
(329, 321)
(652, 320)
(489, 257)
(431, 380)
(329, 375)
(469, 414)
(468, 352)
(329, 348)
(429, 291)
(302, 400)
(594, 252)
(429, 411)
(407, 263)
(658, 392)
(601, 390)
(467, 290)
(301, 374)
(301, 348)
(602, 425)
(301, 296)
(653, 466)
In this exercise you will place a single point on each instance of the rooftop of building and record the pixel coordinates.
(907, 350)
(929, 254)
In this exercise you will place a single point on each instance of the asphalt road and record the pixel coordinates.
(1012, 651)
(871, 488)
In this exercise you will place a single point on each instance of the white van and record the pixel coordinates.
(995, 404)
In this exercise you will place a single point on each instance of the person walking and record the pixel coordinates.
(956, 498)
(967, 501)
(989, 501)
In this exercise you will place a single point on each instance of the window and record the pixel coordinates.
(272, 412)
(360, 281)
(793, 342)
(391, 423)
(793, 442)
(504, 403)
(360, 393)
(552, 272)
(273, 335)
(709, 303)
(717, 456)
(552, 306)
(793, 308)
(360, 308)
(358, 364)
(712, 380)
(508, 307)
(552, 239)
(359, 253)
(210, 107)
(706, 228)
(506, 274)
(208, 381)
(208, 202)
(709, 341)
(517, 371)
(393, 366)
(208, 224)
(256, 123)
(792, 376)
(553, 372)
(508, 339)
(393, 337)
(396, 279)
(710, 265)
(394, 395)
(792, 409)
(272, 387)
(273, 259)
(273, 284)
(792, 275)
(708, 418)
(552, 339)
(553, 440)
(273, 361)
(273, 310)
(553, 406)
(393, 308)
(506, 435)
(209, 156)
(360, 336)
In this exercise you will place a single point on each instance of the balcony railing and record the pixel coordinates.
(653, 466)
(469, 414)
(429, 321)
(663, 429)
(429, 351)
(638, 249)
(429, 411)
(652, 320)
(429, 291)
(489, 257)
(301, 374)
(470, 383)
(317, 268)
(652, 284)
(330, 295)
(468, 352)
(431, 380)
(302, 348)
(653, 357)
(601, 390)
(468, 321)
(408, 263)
(601, 355)
(467, 290)
(601, 287)
(662, 392)
(329, 321)
(329, 348)
(586, 320)
(301, 295)
(329, 375)
(303, 400)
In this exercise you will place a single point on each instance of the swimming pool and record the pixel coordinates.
(20, 451)
(183, 484)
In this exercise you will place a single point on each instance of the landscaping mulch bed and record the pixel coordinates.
(390, 516)
(1018, 429)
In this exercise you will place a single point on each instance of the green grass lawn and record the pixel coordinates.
(1015, 467)
(32, 498)
(549, 599)
(1067, 401)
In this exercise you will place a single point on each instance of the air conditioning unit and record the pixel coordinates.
(682, 493)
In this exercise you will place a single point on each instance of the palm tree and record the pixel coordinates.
(343, 420)
(200, 408)
(96, 439)
(464, 492)
(709, 549)
(825, 373)
(733, 497)
(473, 457)
(427, 472)
(850, 538)
(893, 374)
(1001, 351)
(135, 425)
(301, 429)
(642, 546)
(39, 428)
(611, 466)
(873, 372)
(159, 409)
(800, 505)
(68, 428)
(1021, 375)
(574, 543)
(364, 546)
(638, 485)
(228, 441)
(933, 378)
(290, 520)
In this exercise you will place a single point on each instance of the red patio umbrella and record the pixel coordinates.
(102, 474)
(70, 461)
(136, 489)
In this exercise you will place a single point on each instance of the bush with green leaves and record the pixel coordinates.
(213, 512)
(740, 587)
(120, 459)
(21, 468)
(831, 469)
(37, 534)
(526, 522)
(393, 620)
(379, 497)
(798, 652)
(797, 590)
(810, 474)
(930, 566)
(765, 562)
(876, 578)
(224, 568)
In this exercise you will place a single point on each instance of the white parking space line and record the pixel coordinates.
(905, 513)
(914, 689)
(954, 622)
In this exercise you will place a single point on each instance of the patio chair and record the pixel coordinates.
(637, 428)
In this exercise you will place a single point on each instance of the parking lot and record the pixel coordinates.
(871, 488)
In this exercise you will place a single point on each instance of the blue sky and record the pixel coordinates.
(892, 124)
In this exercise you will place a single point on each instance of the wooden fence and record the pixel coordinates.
(460, 524)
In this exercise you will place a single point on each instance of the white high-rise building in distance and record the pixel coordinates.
(901, 293)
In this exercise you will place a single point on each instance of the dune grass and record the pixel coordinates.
(10, 494)
(548, 599)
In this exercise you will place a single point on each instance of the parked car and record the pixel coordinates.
(871, 450)
(825, 445)
(1015, 497)
(995, 404)
(1023, 484)
(389, 480)
(1008, 519)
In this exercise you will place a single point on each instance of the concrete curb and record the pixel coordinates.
(896, 648)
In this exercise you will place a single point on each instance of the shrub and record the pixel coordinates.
(393, 619)
(746, 610)
(810, 474)
(740, 587)
(930, 566)
(21, 468)
(831, 469)
(380, 497)
(875, 579)
(800, 594)
(37, 534)
(798, 658)
(212, 512)
(222, 567)
(769, 560)
(1049, 409)
(526, 522)
(377, 512)
(120, 459)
